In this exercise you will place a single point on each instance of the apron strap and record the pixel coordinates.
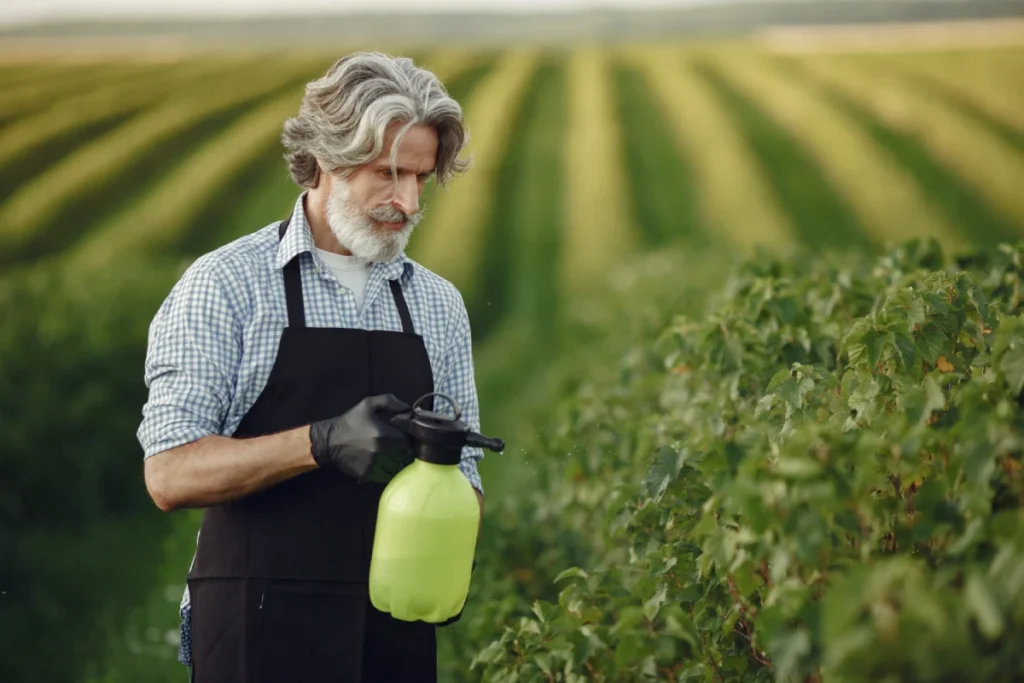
(292, 284)
(403, 308)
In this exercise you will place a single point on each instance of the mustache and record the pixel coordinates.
(389, 214)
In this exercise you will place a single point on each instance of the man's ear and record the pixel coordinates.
(319, 175)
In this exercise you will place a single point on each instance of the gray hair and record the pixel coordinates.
(345, 114)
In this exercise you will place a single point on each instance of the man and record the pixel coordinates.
(274, 367)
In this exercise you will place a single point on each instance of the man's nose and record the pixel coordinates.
(407, 198)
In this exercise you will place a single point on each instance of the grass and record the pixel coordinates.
(947, 192)
(41, 93)
(598, 226)
(735, 198)
(982, 77)
(662, 190)
(164, 216)
(891, 206)
(522, 245)
(817, 211)
(30, 146)
(991, 169)
(43, 213)
(998, 120)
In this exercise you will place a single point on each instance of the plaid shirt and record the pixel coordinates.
(214, 340)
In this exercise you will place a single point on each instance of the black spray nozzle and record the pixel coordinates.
(440, 438)
(481, 441)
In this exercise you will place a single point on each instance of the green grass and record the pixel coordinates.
(22, 168)
(45, 92)
(129, 161)
(1004, 131)
(664, 200)
(818, 213)
(963, 207)
(31, 145)
(99, 205)
(522, 236)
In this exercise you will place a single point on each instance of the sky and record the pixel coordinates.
(36, 11)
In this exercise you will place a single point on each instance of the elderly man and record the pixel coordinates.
(274, 367)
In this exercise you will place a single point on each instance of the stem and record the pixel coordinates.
(711, 655)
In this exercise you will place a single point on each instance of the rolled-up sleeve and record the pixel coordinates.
(458, 381)
(192, 357)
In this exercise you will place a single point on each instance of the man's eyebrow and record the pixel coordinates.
(387, 165)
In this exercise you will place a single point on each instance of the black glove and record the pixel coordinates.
(361, 443)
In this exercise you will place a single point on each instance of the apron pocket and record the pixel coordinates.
(312, 632)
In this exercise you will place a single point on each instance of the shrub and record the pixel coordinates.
(81, 540)
(818, 479)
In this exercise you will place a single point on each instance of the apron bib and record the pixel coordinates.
(279, 584)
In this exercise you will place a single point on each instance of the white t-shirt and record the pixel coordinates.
(351, 271)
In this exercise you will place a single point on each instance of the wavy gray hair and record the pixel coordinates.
(344, 116)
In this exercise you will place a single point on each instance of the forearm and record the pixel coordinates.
(218, 469)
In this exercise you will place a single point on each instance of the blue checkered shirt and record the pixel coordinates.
(214, 340)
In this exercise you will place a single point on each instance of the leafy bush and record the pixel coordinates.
(80, 538)
(818, 479)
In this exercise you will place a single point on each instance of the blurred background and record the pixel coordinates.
(135, 137)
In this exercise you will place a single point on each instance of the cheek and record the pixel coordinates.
(370, 191)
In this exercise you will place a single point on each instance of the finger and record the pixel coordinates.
(389, 403)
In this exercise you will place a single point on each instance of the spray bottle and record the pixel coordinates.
(427, 521)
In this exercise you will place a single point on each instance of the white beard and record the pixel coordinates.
(356, 231)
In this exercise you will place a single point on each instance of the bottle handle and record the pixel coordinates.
(452, 401)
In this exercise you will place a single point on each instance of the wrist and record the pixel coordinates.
(305, 449)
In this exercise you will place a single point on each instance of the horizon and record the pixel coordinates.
(45, 12)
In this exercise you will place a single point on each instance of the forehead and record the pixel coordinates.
(417, 150)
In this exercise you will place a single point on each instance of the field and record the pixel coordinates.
(612, 189)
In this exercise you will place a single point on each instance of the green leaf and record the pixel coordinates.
(1011, 364)
(982, 605)
(878, 342)
(778, 378)
(932, 343)
(792, 467)
(662, 472)
(788, 650)
(571, 573)
(916, 315)
(489, 655)
(734, 454)
(906, 351)
(921, 402)
(652, 605)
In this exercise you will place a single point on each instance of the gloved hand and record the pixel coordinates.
(361, 443)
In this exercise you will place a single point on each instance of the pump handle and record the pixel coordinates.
(455, 405)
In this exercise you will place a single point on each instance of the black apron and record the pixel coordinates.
(279, 584)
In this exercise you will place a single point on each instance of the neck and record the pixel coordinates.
(315, 206)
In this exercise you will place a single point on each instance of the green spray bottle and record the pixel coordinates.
(427, 521)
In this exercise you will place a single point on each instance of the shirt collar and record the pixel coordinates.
(299, 239)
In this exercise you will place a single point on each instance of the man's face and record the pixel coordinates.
(370, 213)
